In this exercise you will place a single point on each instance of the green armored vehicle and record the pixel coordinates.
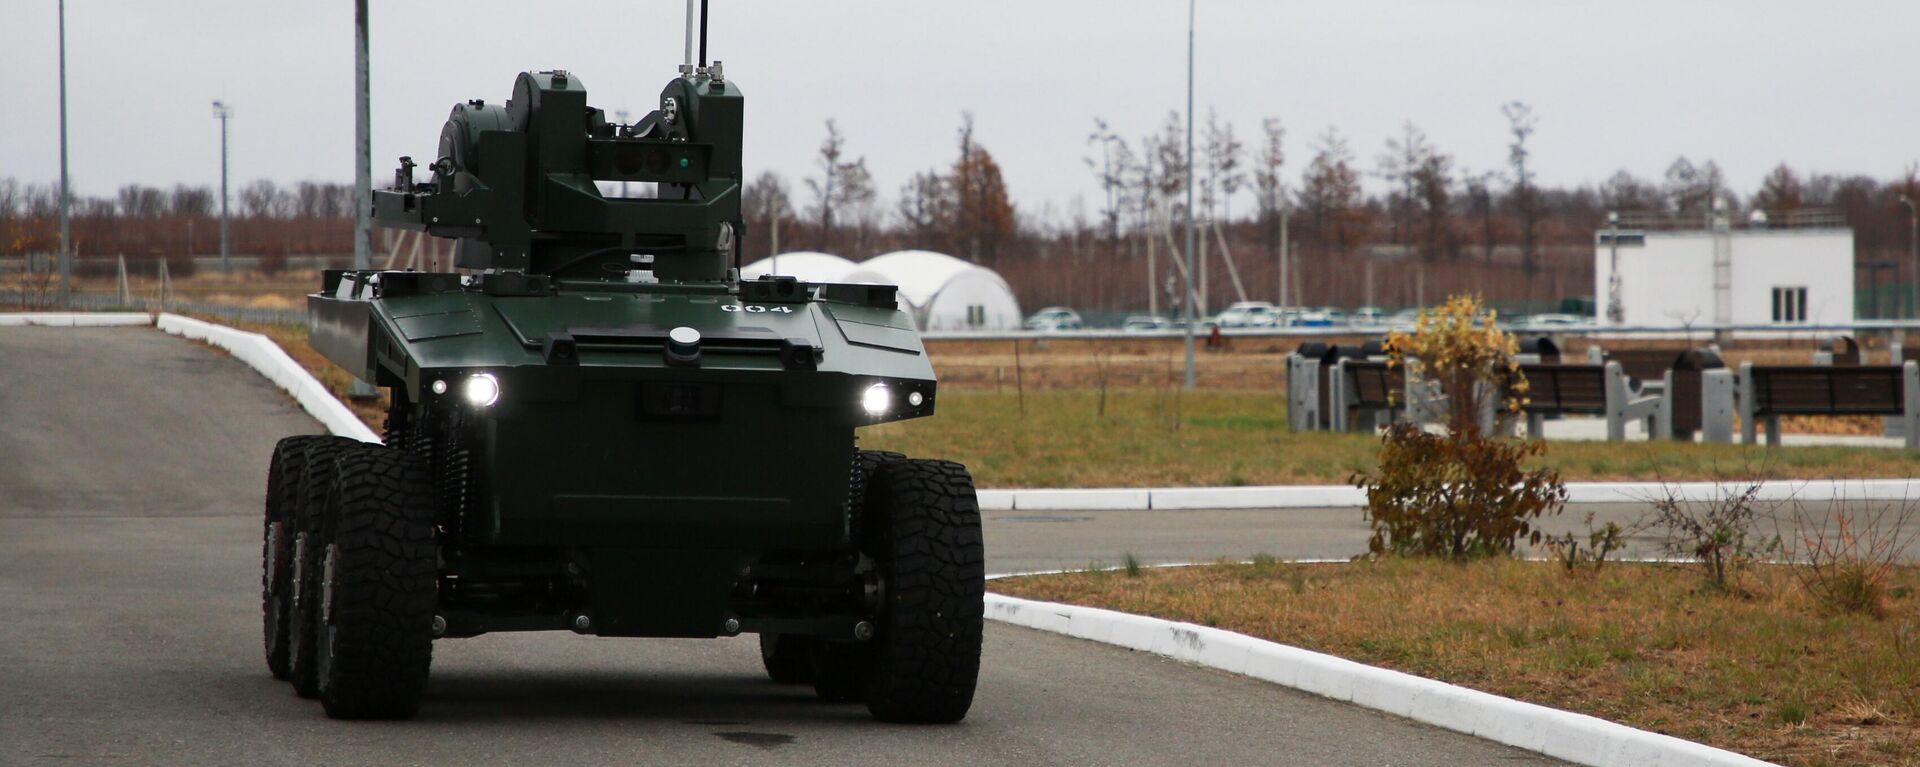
(597, 427)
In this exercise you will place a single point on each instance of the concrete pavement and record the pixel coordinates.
(131, 469)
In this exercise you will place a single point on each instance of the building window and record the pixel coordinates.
(1790, 304)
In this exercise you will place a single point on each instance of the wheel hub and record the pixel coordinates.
(326, 585)
(274, 534)
(299, 569)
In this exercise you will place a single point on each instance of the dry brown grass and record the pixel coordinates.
(1764, 671)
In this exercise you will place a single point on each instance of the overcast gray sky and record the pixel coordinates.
(1620, 84)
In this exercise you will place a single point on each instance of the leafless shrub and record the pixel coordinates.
(1846, 553)
(1718, 532)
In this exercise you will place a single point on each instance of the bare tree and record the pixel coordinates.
(1433, 195)
(1780, 190)
(1224, 175)
(1269, 187)
(840, 184)
(924, 208)
(1479, 189)
(1525, 197)
(260, 198)
(1398, 167)
(138, 201)
(1110, 170)
(982, 218)
(1330, 192)
(1170, 165)
(766, 203)
(191, 200)
(1625, 191)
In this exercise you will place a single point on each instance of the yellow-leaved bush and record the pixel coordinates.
(1463, 492)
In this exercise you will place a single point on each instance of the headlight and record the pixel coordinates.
(877, 400)
(481, 390)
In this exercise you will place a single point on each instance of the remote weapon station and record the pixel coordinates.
(596, 426)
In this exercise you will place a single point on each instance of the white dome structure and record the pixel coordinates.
(943, 292)
(804, 265)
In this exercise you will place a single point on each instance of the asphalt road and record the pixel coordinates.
(131, 468)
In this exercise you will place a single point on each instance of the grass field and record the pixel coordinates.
(1162, 437)
(1764, 671)
(1167, 438)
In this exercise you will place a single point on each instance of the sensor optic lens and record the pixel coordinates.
(482, 390)
(877, 399)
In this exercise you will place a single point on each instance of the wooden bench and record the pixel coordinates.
(1309, 383)
(1770, 391)
(1647, 366)
(1585, 390)
(1367, 392)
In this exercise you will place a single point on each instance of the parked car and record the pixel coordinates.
(1248, 314)
(1404, 319)
(1146, 322)
(1054, 318)
(1557, 321)
(1313, 319)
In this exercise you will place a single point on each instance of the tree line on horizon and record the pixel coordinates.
(1433, 227)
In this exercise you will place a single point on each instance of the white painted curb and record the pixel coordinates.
(1560, 734)
(75, 319)
(1347, 496)
(265, 356)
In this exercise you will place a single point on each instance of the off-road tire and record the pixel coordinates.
(786, 658)
(304, 551)
(925, 654)
(276, 547)
(374, 641)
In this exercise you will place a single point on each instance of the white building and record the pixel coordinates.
(1772, 276)
(805, 265)
(943, 292)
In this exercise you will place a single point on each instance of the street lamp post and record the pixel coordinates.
(66, 243)
(1913, 257)
(223, 113)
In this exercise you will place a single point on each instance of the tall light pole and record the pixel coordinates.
(223, 113)
(362, 145)
(362, 167)
(1913, 256)
(1187, 304)
(66, 249)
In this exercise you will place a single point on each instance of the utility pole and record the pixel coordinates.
(1187, 304)
(1286, 252)
(224, 113)
(66, 242)
(1616, 311)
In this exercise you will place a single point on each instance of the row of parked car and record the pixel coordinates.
(1261, 314)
